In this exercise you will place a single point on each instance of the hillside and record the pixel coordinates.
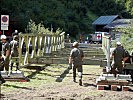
(73, 16)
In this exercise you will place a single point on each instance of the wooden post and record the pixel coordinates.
(55, 43)
(34, 40)
(62, 39)
(39, 46)
(20, 49)
(50, 44)
(27, 43)
(59, 42)
(43, 46)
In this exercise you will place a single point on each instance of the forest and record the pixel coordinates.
(72, 16)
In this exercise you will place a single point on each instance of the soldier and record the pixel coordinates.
(76, 59)
(5, 52)
(118, 59)
(1, 65)
(14, 51)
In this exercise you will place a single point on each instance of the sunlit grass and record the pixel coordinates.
(37, 78)
(48, 75)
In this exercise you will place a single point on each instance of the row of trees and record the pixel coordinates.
(127, 37)
(73, 16)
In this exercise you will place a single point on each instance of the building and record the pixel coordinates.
(102, 21)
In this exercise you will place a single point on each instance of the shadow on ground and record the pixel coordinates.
(63, 75)
(87, 84)
(7, 85)
(1, 96)
(38, 70)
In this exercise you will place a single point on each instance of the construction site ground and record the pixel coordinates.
(54, 82)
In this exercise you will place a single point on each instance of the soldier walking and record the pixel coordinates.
(5, 52)
(76, 59)
(118, 59)
(14, 52)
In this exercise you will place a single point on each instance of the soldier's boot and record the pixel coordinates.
(80, 82)
(74, 79)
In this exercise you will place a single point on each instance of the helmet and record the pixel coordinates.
(3, 37)
(118, 43)
(75, 44)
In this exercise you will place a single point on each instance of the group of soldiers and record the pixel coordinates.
(8, 51)
(118, 56)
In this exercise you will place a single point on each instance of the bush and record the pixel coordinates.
(40, 29)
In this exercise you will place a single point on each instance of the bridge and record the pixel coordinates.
(35, 49)
(51, 49)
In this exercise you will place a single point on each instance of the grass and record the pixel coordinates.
(37, 78)
(48, 75)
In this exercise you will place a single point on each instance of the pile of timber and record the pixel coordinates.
(109, 82)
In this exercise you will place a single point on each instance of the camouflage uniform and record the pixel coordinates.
(117, 65)
(14, 52)
(77, 55)
(5, 47)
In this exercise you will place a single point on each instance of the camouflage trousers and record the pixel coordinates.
(79, 69)
(5, 65)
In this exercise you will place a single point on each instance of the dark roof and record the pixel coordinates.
(104, 20)
(119, 23)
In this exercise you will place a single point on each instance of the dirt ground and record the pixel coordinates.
(63, 88)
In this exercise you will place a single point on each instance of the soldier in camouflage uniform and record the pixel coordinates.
(1, 64)
(1, 67)
(118, 57)
(5, 52)
(14, 51)
(76, 59)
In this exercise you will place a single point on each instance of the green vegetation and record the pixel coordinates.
(73, 16)
(40, 29)
(127, 38)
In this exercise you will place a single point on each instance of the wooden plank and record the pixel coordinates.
(85, 54)
(112, 82)
(84, 45)
(49, 60)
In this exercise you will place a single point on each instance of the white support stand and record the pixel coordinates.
(108, 55)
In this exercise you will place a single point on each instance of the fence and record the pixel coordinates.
(35, 46)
